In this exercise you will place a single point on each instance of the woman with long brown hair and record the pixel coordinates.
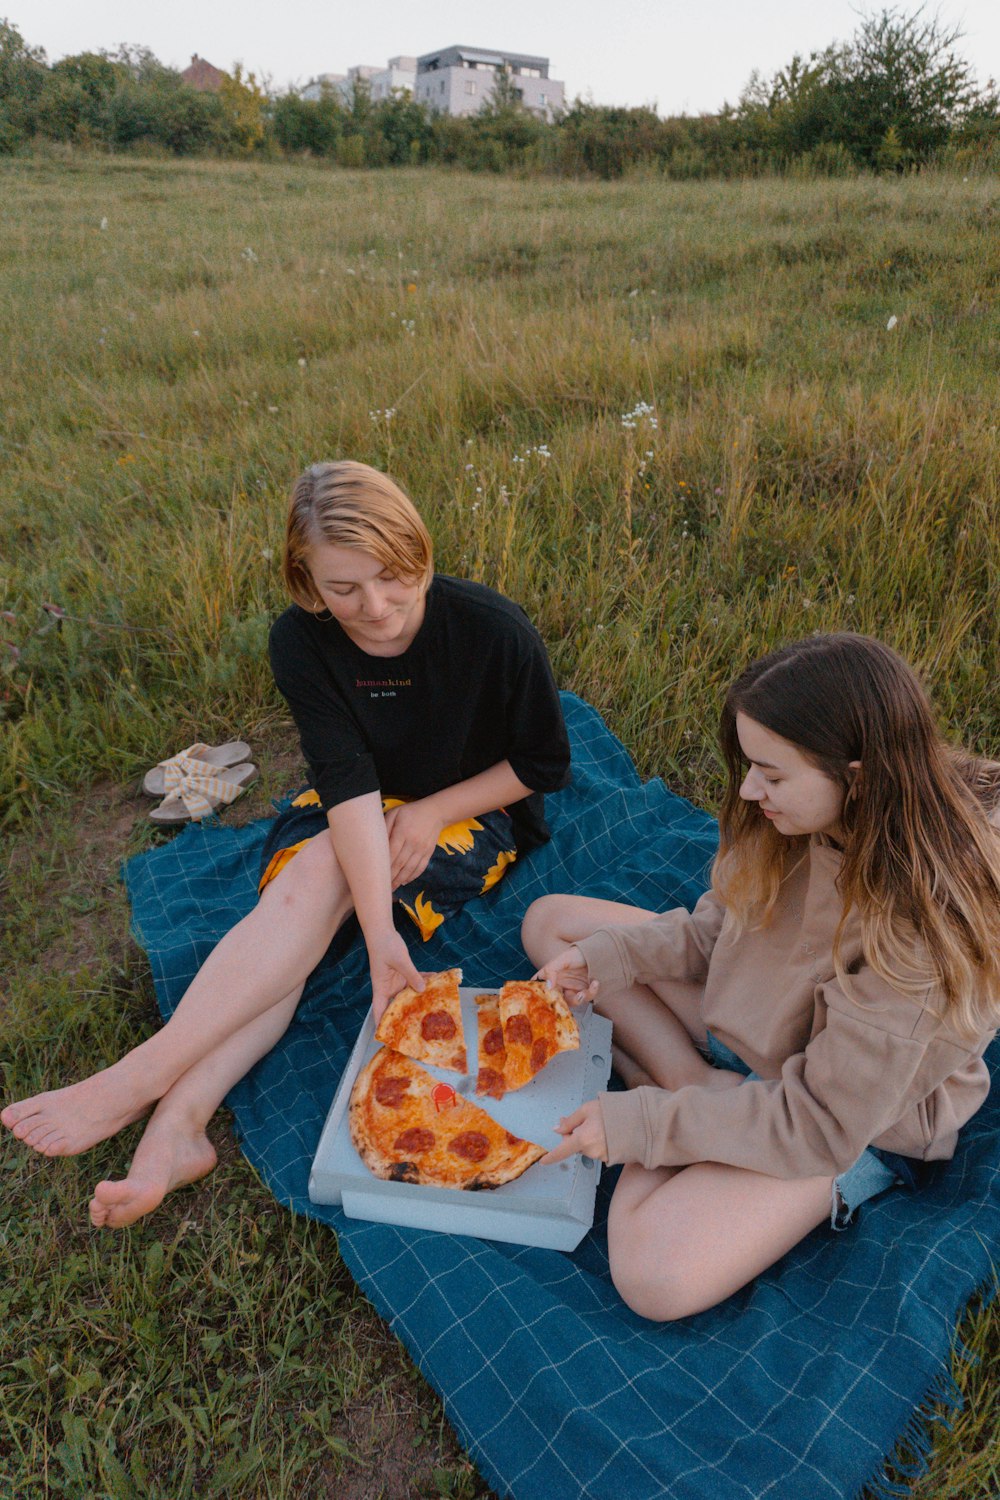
(812, 1033)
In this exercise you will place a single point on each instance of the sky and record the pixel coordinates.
(674, 54)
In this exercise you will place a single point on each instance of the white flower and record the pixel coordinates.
(267, 553)
(302, 363)
(196, 333)
(634, 292)
(891, 323)
(249, 256)
(104, 223)
(272, 409)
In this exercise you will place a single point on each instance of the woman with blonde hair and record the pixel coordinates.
(812, 1033)
(431, 725)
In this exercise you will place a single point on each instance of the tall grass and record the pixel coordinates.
(671, 419)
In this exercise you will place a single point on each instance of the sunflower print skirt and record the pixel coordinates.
(471, 856)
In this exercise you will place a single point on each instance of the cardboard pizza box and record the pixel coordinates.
(551, 1207)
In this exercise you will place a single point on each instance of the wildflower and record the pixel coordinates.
(104, 223)
(196, 333)
(272, 410)
(249, 256)
(351, 271)
(634, 292)
(411, 286)
(267, 553)
(302, 363)
(469, 467)
(891, 323)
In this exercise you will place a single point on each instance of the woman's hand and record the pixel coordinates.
(568, 972)
(413, 831)
(392, 969)
(583, 1132)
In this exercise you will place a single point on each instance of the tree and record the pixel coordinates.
(22, 78)
(244, 102)
(890, 96)
(898, 73)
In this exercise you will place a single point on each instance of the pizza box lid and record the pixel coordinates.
(551, 1207)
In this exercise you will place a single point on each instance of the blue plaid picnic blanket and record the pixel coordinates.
(799, 1385)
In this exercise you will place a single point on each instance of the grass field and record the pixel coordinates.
(671, 419)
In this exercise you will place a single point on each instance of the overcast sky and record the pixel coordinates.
(677, 55)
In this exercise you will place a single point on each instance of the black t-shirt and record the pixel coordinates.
(473, 688)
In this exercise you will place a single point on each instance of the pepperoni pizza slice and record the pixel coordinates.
(407, 1127)
(536, 1025)
(427, 1026)
(492, 1056)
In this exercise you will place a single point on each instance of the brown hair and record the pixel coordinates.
(347, 504)
(921, 861)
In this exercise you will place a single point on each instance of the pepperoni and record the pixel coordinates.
(493, 1041)
(471, 1145)
(490, 1082)
(437, 1026)
(413, 1141)
(518, 1030)
(390, 1091)
(539, 1054)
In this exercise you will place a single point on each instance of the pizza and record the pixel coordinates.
(427, 1025)
(536, 1025)
(492, 1056)
(408, 1127)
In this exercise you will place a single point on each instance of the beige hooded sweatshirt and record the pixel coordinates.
(838, 1072)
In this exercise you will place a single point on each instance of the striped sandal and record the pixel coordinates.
(192, 794)
(213, 757)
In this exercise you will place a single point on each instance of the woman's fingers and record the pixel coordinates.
(558, 1153)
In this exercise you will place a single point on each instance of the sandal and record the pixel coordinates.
(213, 757)
(192, 795)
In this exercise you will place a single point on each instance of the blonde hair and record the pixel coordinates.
(921, 861)
(347, 504)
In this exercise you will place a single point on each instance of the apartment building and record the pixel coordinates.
(398, 73)
(460, 80)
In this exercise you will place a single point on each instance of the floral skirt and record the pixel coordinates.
(471, 856)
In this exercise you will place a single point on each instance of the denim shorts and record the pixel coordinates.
(874, 1172)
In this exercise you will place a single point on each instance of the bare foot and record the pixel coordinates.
(67, 1121)
(168, 1156)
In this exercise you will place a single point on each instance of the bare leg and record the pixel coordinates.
(681, 1240)
(657, 1026)
(175, 1148)
(256, 966)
